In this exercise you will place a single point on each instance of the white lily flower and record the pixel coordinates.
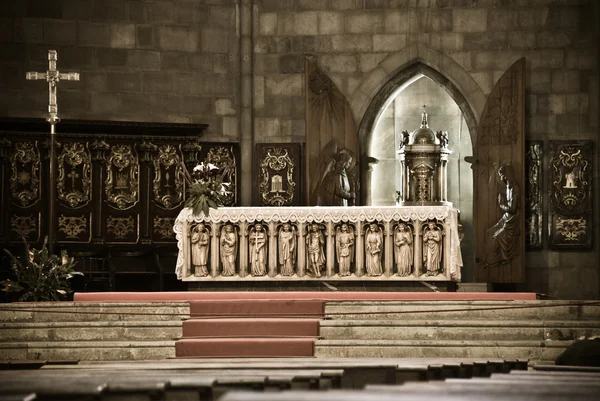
(212, 166)
(198, 167)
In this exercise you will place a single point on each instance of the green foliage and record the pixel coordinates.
(206, 189)
(41, 276)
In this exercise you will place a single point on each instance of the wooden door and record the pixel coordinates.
(500, 181)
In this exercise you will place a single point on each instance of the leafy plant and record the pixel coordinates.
(206, 188)
(41, 276)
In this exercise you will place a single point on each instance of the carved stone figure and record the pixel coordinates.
(403, 250)
(502, 237)
(228, 250)
(332, 185)
(314, 244)
(257, 241)
(344, 241)
(287, 249)
(373, 243)
(432, 249)
(200, 240)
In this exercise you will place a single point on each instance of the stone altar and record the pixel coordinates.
(311, 251)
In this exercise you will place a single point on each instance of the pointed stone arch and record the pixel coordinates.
(369, 99)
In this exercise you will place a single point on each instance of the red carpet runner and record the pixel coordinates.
(266, 324)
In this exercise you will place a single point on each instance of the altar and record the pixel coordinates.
(410, 243)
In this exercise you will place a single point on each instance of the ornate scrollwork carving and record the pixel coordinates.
(25, 178)
(276, 164)
(120, 227)
(74, 174)
(168, 184)
(72, 226)
(122, 182)
(163, 227)
(571, 229)
(571, 178)
(533, 195)
(223, 158)
(98, 148)
(23, 226)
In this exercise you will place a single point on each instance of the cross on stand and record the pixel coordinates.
(53, 76)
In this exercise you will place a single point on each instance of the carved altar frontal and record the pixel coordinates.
(409, 243)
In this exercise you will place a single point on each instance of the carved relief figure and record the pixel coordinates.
(287, 249)
(432, 249)
(403, 250)
(502, 238)
(332, 185)
(228, 250)
(200, 240)
(314, 245)
(344, 241)
(373, 243)
(257, 240)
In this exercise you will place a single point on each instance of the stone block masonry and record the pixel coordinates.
(181, 61)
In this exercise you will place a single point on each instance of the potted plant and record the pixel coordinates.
(206, 188)
(41, 276)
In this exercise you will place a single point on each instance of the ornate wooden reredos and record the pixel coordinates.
(118, 184)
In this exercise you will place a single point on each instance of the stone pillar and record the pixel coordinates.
(330, 255)
(214, 250)
(272, 250)
(388, 259)
(446, 249)
(187, 251)
(418, 249)
(301, 245)
(246, 124)
(366, 180)
(243, 241)
(360, 250)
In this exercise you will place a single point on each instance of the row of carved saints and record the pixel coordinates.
(315, 249)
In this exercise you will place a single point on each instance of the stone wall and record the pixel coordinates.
(181, 60)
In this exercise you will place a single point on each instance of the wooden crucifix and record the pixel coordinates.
(53, 76)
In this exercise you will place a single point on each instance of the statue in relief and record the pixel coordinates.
(200, 240)
(257, 240)
(287, 249)
(344, 241)
(373, 244)
(432, 249)
(403, 250)
(228, 250)
(314, 244)
(334, 183)
(502, 238)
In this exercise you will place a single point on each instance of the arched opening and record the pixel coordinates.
(397, 107)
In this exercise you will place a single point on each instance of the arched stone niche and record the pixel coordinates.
(395, 82)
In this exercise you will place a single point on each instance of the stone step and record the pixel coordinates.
(246, 327)
(93, 311)
(91, 331)
(531, 350)
(457, 329)
(88, 350)
(464, 310)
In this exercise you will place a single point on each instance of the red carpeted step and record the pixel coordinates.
(287, 295)
(249, 327)
(262, 307)
(244, 347)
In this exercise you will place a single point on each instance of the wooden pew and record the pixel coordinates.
(368, 395)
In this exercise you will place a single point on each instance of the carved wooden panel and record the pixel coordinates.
(570, 217)
(534, 194)
(224, 158)
(75, 228)
(279, 168)
(331, 137)
(500, 181)
(25, 226)
(25, 177)
(74, 167)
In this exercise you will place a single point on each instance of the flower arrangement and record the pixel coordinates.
(42, 276)
(206, 188)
